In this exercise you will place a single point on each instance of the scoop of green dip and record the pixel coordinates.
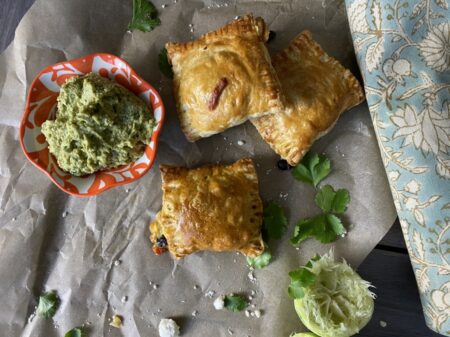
(99, 124)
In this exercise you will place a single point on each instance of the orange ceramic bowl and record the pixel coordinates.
(41, 103)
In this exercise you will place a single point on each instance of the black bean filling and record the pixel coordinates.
(161, 242)
(283, 165)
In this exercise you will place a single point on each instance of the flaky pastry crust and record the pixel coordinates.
(317, 89)
(215, 208)
(236, 55)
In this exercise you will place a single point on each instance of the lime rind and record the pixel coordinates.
(339, 303)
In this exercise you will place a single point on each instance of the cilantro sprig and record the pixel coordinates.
(260, 261)
(163, 62)
(302, 278)
(312, 169)
(274, 222)
(235, 303)
(48, 304)
(325, 227)
(274, 226)
(145, 16)
(76, 332)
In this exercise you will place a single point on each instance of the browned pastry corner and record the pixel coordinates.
(215, 208)
(317, 89)
(223, 78)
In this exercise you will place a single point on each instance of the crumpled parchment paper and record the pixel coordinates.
(50, 240)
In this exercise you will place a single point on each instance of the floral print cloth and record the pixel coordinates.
(403, 50)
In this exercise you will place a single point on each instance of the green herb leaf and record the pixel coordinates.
(260, 261)
(324, 227)
(235, 303)
(145, 16)
(312, 169)
(164, 66)
(75, 332)
(341, 200)
(303, 230)
(274, 222)
(48, 304)
(332, 202)
(300, 279)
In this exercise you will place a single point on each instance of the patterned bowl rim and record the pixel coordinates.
(155, 134)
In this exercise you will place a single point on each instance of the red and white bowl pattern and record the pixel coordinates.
(41, 104)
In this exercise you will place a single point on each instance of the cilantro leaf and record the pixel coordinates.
(235, 303)
(324, 227)
(260, 261)
(312, 169)
(75, 332)
(163, 62)
(303, 230)
(341, 200)
(48, 304)
(300, 279)
(324, 198)
(332, 202)
(145, 16)
(274, 222)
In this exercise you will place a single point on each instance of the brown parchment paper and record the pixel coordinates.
(49, 240)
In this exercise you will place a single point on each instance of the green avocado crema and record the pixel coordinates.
(99, 125)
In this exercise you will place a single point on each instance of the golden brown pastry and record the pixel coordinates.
(317, 90)
(215, 208)
(223, 78)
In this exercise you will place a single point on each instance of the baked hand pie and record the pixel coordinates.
(317, 90)
(215, 208)
(223, 78)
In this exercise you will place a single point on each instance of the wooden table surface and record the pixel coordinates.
(388, 267)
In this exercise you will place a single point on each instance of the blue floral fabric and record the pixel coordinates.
(403, 50)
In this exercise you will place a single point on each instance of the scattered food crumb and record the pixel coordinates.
(253, 293)
(210, 293)
(65, 214)
(117, 262)
(241, 142)
(168, 328)
(116, 321)
(155, 286)
(253, 306)
(14, 219)
(230, 331)
(251, 276)
(195, 313)
(383, 324)
(195, 287)
(163, 6)
(219, 303)
(124, 299)
(250, 298)
(257, 313)
(247, 313)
